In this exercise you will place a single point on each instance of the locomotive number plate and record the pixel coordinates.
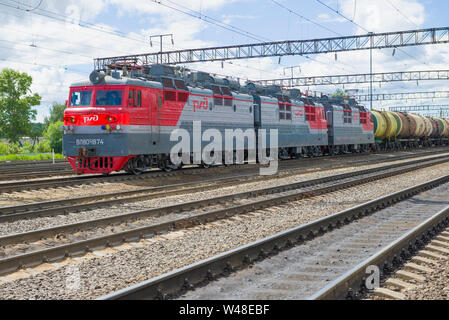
(89, 142)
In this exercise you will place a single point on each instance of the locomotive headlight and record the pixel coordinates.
(72, 119)
(109, 118)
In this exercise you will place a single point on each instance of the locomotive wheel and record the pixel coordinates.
(283, 154)
(205, 165)
(316, 151)
(136, 166)
(168, 166)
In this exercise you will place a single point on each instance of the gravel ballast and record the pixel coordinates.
(26, 225)
(113, 269)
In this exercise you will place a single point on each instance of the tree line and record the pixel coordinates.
(17, 116)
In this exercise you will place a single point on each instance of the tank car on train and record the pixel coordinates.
(397, 130)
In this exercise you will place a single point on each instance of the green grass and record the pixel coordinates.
(19, 157)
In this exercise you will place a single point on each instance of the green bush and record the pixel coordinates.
(3, 148)
(13, 152)
(42, 147)
(27, 148)
(18, 157)
(54, 136)
(12, 148)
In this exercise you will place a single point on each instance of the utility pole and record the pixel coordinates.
(292, 69)
(371, 70)
(161, 36)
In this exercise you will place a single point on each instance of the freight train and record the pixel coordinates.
(396, 130)
(123, 120)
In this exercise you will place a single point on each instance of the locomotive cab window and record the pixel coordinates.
(138, 98)
(168, 83)
(288, 112)
(170, 95)
(347, 116)
(134, 98)
(281, 112)
(183, 96)
(180, 85)
(310, 113)
(109, 98)
(285, 112)
(81, 98)
(218, 100)
(227, 96)
(363, 119)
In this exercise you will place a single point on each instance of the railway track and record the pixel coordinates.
(34, 169)
(56, 207)
(54, 243)
(312, 260)
(19, 186)
(421, 277)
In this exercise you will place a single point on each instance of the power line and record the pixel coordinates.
(211, 20)
(84, 24)
(63, 18)
(44, 48)
(316, 23)
(43, 65)
(402, 14)
(344, 17)
(202, 15)
(305, 18)
(88, 25)
(363, 28)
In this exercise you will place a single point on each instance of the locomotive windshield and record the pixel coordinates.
(81, 98)
(109, 98)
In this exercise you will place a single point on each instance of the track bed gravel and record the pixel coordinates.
(112, 269)
(47, 222)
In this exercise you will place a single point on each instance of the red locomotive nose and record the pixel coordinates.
(96, 119)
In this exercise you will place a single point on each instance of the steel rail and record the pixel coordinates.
(116, 177)
(178, 281)
(35, 174)
(55, 207)
(351, 285)
(13, 263)
(29, 162)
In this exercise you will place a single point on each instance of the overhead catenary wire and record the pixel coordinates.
(363, 28)
(84, 24)
(305, 18)
(401, 13)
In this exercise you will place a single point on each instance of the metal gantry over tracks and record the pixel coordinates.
(284, 48)
(403, 96)
(440, 110)
(358, 78)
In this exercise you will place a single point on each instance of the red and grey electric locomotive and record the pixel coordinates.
(123, 120)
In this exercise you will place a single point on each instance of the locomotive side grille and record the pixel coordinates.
(95, 163)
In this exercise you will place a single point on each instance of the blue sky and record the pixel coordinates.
(61, 52)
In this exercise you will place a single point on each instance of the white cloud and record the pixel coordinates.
(84, 44)
(380, 16)
(324, 17)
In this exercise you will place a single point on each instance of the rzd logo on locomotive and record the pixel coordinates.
(298, 113)
(91, 119)
(198, 105)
